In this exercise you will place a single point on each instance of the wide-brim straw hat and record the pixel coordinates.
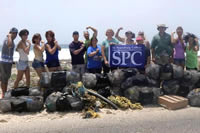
(161, 25)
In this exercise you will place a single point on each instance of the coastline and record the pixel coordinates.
(65, 65)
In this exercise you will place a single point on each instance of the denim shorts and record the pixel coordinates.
(179, 61)
(22, 65)
(37, 64)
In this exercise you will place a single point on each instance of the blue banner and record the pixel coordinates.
(127, 56)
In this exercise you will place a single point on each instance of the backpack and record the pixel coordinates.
(34, 103)
(18, 105)
(75, 102)
(58, 80)
(139, 80)
(146, 95)
(62, 103)
(171, 87)
(166, 72)
(20, 91)
(102, 81)
(50, 102)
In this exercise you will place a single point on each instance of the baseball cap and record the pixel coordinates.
(75, 33)
(139, 38)
(14, 30)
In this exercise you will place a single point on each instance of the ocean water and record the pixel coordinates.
(64, 54)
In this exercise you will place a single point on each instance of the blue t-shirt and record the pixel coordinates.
(94, 61)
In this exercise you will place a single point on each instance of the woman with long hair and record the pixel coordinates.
(38, 62)
(23, 48)
(94, 57)
(192, 49)
(179, 47)
(52, 49)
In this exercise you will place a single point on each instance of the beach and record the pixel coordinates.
(149, 120)
(65, 65)
(74, 120)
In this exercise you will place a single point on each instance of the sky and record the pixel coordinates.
(66, 16)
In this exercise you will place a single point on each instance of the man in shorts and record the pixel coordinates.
(6, 59)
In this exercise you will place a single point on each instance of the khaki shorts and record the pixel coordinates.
(79, 68)
(5, 72)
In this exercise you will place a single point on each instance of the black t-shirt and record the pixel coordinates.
(147, 53)
(79, 58)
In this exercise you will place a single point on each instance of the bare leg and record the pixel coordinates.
(53, 69)
(39, 71)
(19, 78)
(4, 88)
(27, 75)
(59, 68)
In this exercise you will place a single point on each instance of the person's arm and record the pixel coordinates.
(58, 46)
(40, 48)
(103, 54)
(148, 56)
(9, 43)
(147, 44)
(76, 52)
(196, 48)
(18, 45)
(153, 45)
(26, 48)
(94, 30)
(90, 54)
(51, 50)
(118, 37)
(173, 40)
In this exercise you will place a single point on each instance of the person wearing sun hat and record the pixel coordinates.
(128, 39)
(161, 46)
(6, 59)
(140, 42)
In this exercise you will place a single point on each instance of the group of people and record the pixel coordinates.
(91, 57)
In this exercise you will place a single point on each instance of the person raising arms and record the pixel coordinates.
(94, 57)
(179, 47)
(6, 59)
(88, 39)
(128, 39)
(38, 62)
(192, 49)
(52, 49)
(23, 48)
(105, 50)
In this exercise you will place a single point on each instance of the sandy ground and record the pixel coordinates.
(151, 119)
(65, 64)
(148, 120)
